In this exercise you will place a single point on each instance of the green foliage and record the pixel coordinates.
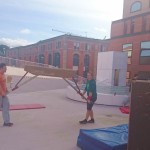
(3, 49)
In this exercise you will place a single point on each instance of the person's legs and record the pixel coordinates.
(92, 117)
(5, 109)
(0, 102)
(89, 113)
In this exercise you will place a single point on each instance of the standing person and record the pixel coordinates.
(4, 101)
(90, 89)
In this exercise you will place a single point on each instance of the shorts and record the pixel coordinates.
(90, 105)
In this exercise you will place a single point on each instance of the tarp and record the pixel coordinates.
(125, 109)
(112, 138)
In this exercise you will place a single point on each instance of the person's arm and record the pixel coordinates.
(84, 91)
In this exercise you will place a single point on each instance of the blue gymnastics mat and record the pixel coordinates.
(112, 138)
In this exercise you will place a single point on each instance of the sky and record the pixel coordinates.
(24, 22)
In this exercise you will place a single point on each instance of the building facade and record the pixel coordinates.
(66, 51)
(131, 34)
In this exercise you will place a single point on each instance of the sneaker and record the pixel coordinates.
(91, 121)
(83, 121)
(8, 124)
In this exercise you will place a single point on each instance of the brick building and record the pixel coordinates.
(66, 51)
(131, 34)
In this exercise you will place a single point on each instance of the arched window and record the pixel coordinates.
(75, 60)
(41, 59)
(136, 6)
(86, 60)
(36, 59)
(50, 59)
(56, 61)
(86, 65)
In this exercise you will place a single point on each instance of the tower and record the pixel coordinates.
(135, 7)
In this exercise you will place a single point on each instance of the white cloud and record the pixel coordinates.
(101, 29)
(14, 42)
(25, 31)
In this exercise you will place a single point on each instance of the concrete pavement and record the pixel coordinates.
(55, 127)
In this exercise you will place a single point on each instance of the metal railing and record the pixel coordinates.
(102, 86)
(21, 63)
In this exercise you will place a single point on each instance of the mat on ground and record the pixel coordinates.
(112, 138)
(26, 106)
(125, 109)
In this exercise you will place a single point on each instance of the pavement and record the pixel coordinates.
(55, 127)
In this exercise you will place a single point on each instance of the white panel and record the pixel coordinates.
(104, 76)
(105, 60)
(120, 60)
(108, 62)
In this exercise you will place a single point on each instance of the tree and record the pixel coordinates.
(3, 49)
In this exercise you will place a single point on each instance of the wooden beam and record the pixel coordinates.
(54, 72)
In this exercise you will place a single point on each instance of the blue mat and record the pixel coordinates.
(112, 138)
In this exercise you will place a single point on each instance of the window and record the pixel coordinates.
(75, 60)
(86, 60)
(128, 77)
(50, 59)
(56, 60)
(42, 48)
(144, 24)
(76, 45)
(41, 59)
(127, 74)
(87, 46)
(136, 6)
(125, 28)
(102, 48)
(132, 27)
(128, 49)
(129, 60)
(50, 46)
(145, 53)
(58, 44)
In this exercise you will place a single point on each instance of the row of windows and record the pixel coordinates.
(130, 28)
(76, 60)
(144, 52)
(56, 60)
(59, 45)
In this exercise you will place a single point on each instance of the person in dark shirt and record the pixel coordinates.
(90, 89)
